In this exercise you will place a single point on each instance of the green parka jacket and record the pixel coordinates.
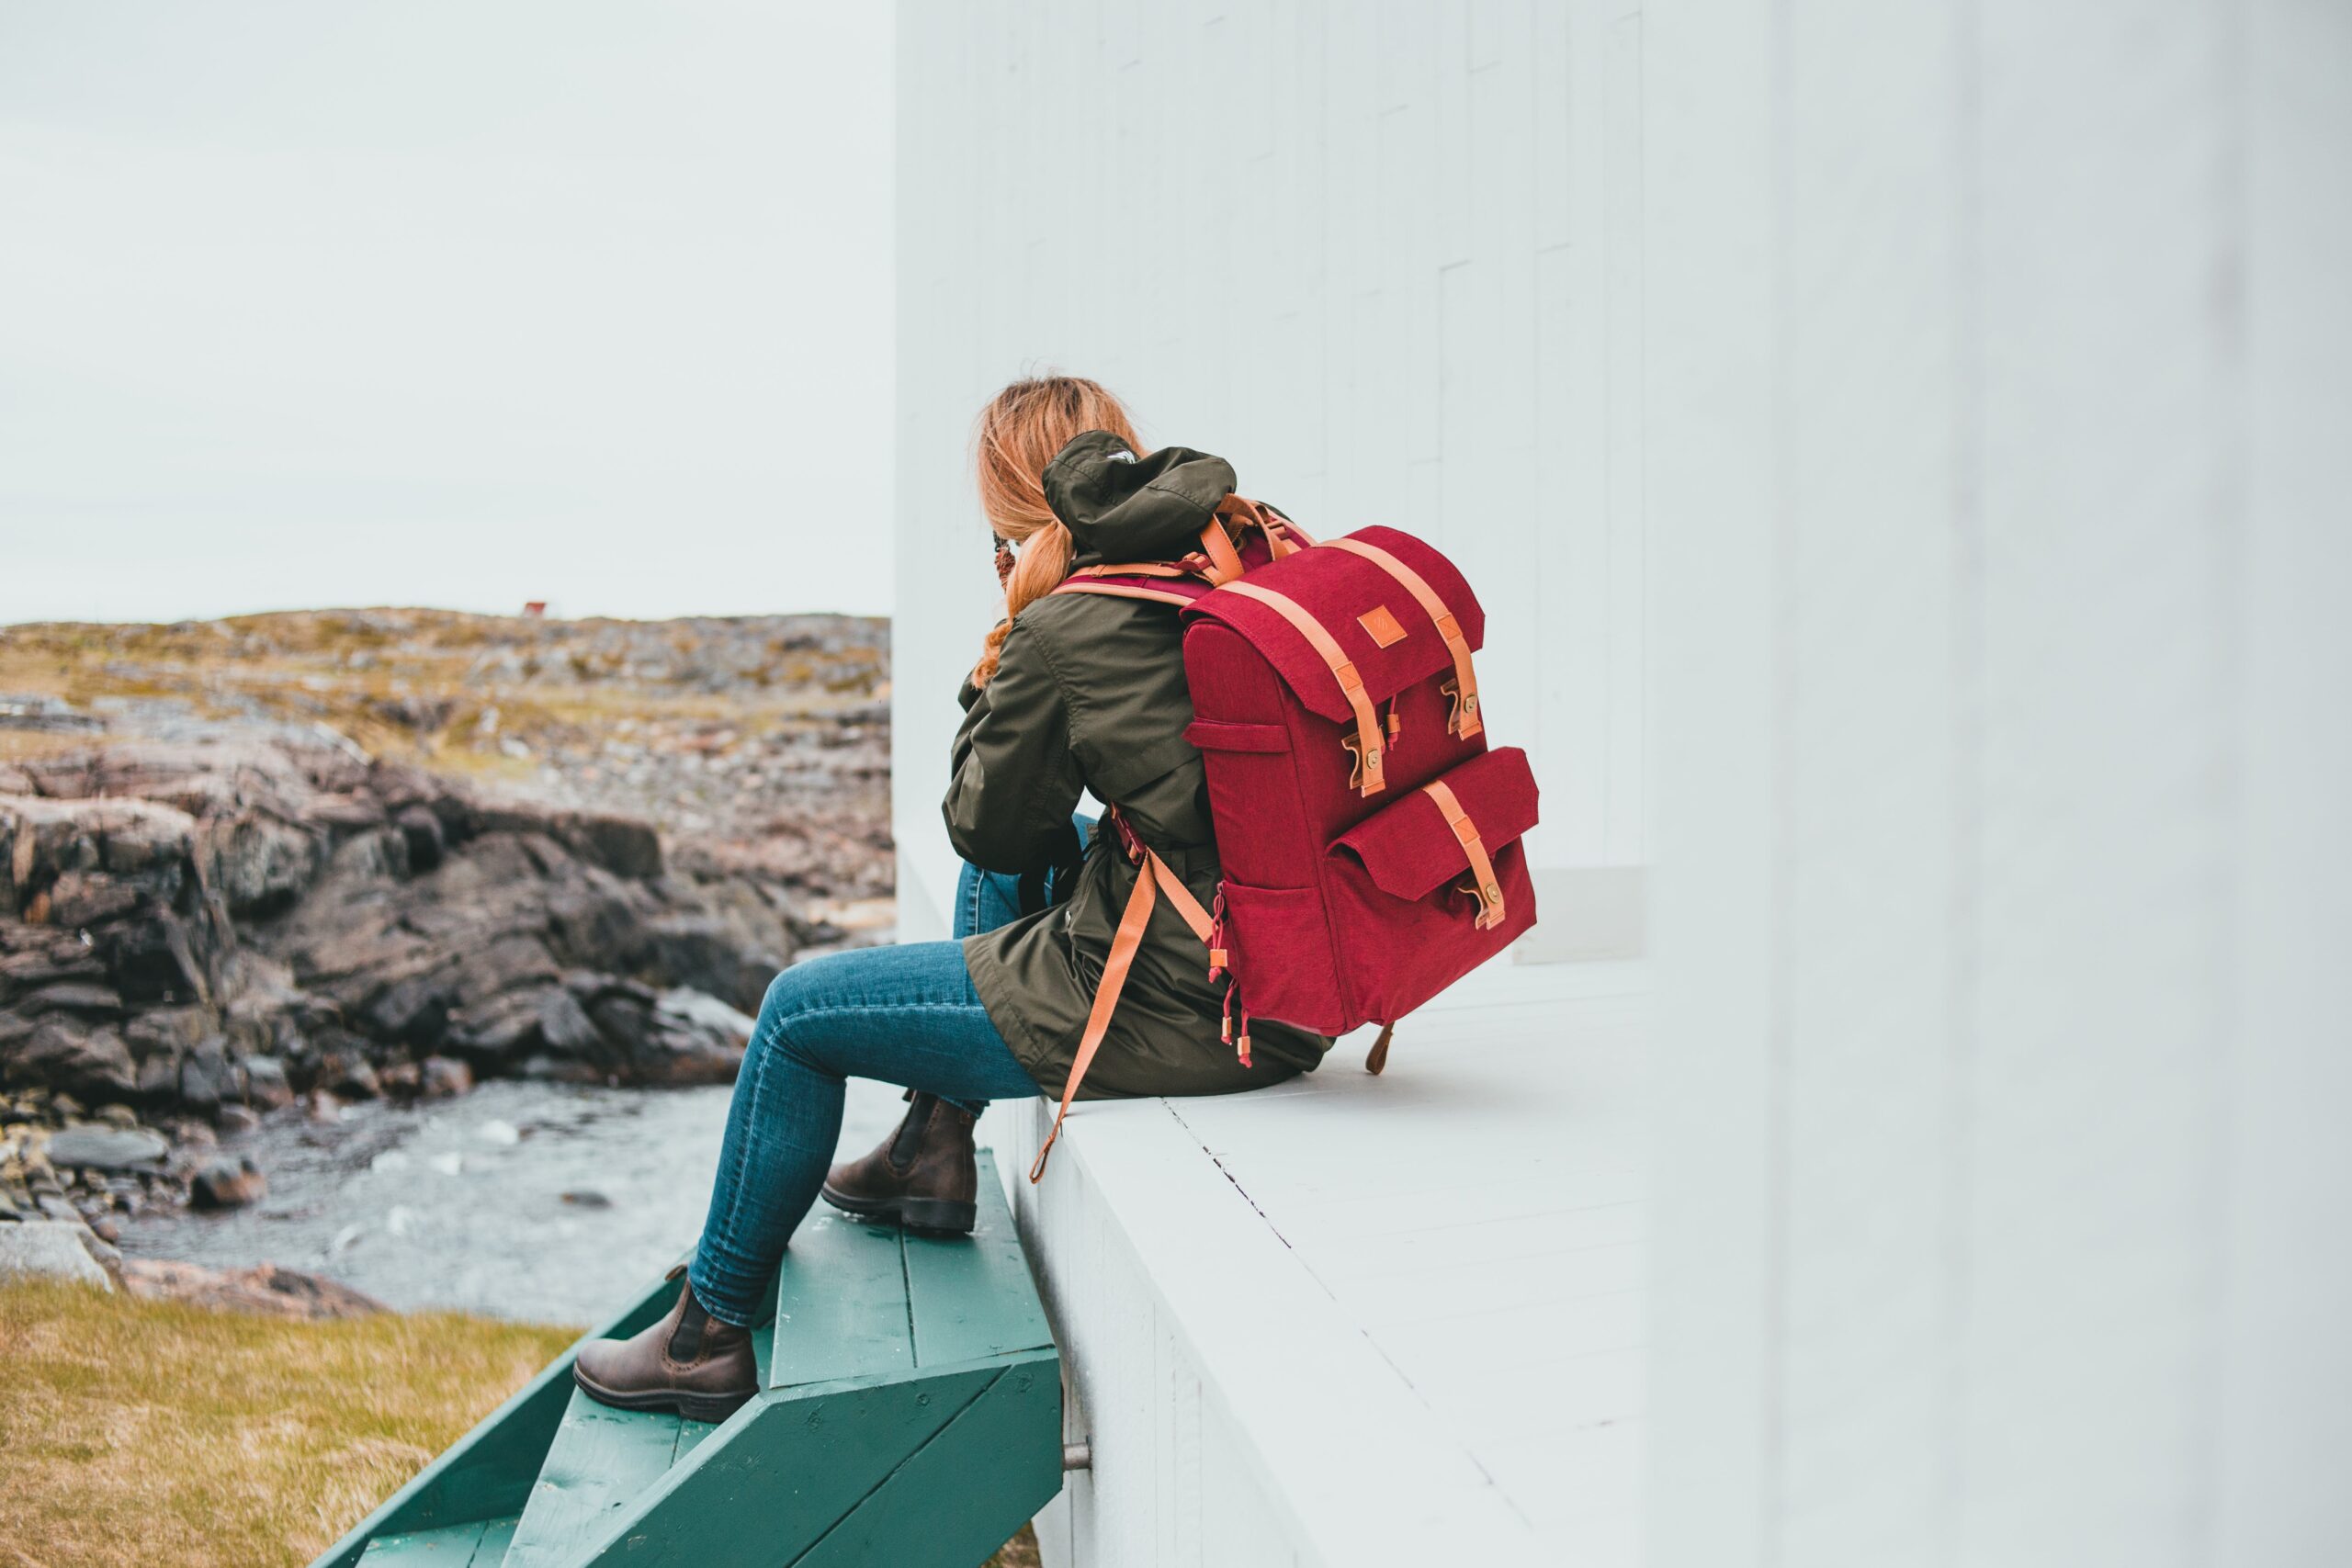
(1089, 693)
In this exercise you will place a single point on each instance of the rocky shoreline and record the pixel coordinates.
(209, 918)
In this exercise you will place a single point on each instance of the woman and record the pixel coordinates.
(1072, 693)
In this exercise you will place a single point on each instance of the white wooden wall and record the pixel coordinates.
(1384, 257)
(2000, 466)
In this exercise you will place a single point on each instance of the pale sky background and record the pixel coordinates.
(457, 302)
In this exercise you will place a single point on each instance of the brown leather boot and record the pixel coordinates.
(689, 1362)
(923, 1175)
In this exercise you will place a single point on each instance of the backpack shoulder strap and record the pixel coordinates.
(1153, 877)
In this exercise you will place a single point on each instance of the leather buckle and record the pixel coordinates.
(1357, 772)
(1490, 899)
(1464, 708)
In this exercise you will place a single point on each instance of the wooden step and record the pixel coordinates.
(601, 1462)
(910, 1416)
(482, 1544)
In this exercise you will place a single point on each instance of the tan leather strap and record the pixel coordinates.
(1463, 720)
(1224, 562)
(1122, 591)
(1378, 1058)
(1487, 888)
(1283, 536)
(1151, 878)
(1368, 745)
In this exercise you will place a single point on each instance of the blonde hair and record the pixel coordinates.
(1017, 435)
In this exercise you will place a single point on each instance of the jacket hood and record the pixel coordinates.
(1120, 507)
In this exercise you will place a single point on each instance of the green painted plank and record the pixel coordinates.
(496, 1537)
(781, 1473)
(488, 1472)
(602, 1463)
(445, 1546)
(840, 1304)
(690, 1436)
(972, 1298)
(966, 1491)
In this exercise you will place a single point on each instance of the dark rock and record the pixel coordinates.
(159, 1078)
(428, 843)
(353, 812)
(228, 1183)
(267, 1290)
(266, 1083)
(414, 1010)
(442, 1077)
(107, 1148)
(67, 1056)
(206, 1079)
(260, 864)
(588, 1200)
(565, 1027)
(91, 1000)
(348, 1075)
(168, 1031)
(702, 952)
(81, 899)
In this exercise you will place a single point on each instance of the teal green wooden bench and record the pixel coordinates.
(910, 1418)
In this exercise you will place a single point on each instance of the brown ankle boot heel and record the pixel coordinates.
(689, 1362)
(924, 1175)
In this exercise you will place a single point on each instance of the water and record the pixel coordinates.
(548, 1203)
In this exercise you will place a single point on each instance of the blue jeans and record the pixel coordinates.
(906, 1015)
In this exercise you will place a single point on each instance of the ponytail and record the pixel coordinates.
(1019, 432)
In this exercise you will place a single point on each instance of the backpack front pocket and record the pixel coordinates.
(1434, 883)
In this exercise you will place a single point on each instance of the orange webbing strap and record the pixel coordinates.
(1464, 719)
(1368, 779)
(1153, 877)
(1224, 562)
(1488, 888)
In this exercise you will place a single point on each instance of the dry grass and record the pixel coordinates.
(153, 1435)
(136, 1433)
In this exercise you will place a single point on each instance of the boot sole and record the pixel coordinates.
(710, 1407)
(925, 1217)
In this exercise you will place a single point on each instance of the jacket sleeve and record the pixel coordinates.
(1015, 781)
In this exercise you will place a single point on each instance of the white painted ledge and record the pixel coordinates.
(1353, 1321)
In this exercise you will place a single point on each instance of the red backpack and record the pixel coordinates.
(1370, 838)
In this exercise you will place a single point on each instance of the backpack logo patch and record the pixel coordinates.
(1381, 626)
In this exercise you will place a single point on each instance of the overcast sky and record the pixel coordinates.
(459, 302)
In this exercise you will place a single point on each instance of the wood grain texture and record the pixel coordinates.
(840, 1304)
(967, 1490)
(496, 1537)
(971, 1298)
(602, 1461)
(771, 1483)
(446, 1546)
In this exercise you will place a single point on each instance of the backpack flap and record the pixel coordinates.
(1346, 634)
(1390, 639)
(1412, 847)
